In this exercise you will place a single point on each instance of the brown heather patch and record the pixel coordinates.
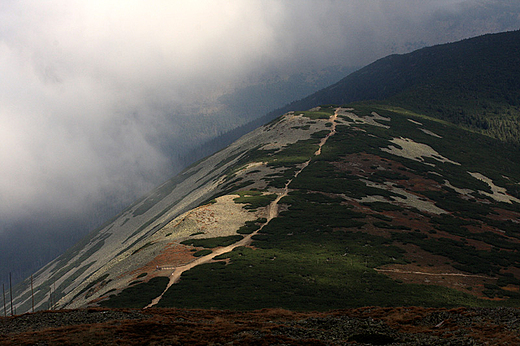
(443, 234)
(511, 288)
(513, 270)
(472, 323)
(173, 255)
(481, 228)
(363, 162)
(406, 319)
(477, 244)
(369, 228)
(504, 215)
(363, 165)
(425, 259)
(419, 184)
(409, 219)
(409, 274)
(429, 269)
(410, 325)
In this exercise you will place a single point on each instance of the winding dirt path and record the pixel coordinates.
(272, 212)
(431, 274)
(326, 138)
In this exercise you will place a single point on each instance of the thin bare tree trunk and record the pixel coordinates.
(32, 293)
(3, 293)
(11, 293)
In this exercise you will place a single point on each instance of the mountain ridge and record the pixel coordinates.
(424, 211)
(297, 158)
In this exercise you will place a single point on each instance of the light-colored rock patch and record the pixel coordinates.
(428, 132)
(379, 117)
(415, 122)
(415, 151)
(254, 165)
(465, 192)
(499, 193)
(255, 173)
(289, 131)
(219, 219)
(410, 199)
(346, 114)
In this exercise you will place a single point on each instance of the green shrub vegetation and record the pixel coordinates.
(196, 233)
(323, 113)
(316, 255)
(251, 226)
(137, 296)
(213, 242)
(254, 199)
(202, 253)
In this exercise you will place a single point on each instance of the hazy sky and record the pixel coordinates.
(86, 87)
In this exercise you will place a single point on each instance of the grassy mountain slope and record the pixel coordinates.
(135, 238)
(397, 209)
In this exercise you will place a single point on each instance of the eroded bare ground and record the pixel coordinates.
(369, 326)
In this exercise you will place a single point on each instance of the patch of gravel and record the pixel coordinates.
(363, 326)
(363, 331)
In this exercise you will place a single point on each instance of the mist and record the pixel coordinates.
(101, 100)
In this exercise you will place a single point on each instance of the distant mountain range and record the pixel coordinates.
(408, 196)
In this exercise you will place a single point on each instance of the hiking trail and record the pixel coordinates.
(272, 212)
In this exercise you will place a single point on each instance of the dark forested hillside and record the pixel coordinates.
(474, 82)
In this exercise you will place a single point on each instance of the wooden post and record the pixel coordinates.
(32, 294)
(11, 293)
(3, 293)
(50, 297)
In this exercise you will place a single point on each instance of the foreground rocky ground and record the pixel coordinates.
(365, 326)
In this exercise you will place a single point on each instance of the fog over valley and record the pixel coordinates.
(100, 101)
